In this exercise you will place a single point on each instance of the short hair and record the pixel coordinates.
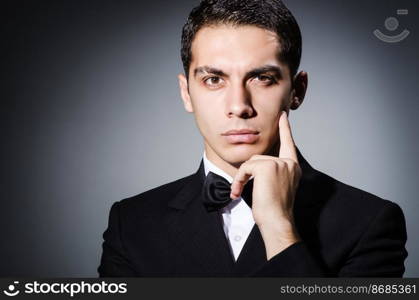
(272, 15)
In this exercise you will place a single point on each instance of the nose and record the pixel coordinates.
(239, 102)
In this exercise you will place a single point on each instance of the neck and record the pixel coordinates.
(227, 167)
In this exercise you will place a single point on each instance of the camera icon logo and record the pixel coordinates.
(11, 289)
(391, 24)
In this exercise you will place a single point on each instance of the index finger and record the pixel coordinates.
(287, 147)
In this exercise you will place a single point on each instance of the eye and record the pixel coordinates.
(265, 79)
(212, 81)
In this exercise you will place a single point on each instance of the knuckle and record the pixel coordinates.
(281, 164)
(271, 164)
(292, 163)
(244, 165)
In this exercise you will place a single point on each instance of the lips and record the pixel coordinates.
(240, 136)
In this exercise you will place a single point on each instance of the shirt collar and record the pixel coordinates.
(211, 167)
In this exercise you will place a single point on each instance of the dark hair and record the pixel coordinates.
(272, 15)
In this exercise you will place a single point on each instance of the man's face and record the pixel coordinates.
(237, 82)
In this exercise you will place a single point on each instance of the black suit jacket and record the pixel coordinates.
(167, 232)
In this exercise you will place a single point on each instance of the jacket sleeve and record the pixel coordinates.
(380, 252)
(294, 261)
(114, 262)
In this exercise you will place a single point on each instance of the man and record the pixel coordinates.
(255, 207)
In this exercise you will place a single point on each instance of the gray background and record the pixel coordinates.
(92, 114)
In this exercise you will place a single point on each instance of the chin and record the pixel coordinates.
(239, 153)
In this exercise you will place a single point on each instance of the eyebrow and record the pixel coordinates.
(252, 73)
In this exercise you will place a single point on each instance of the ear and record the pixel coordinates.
(184, 93)
(299, 89)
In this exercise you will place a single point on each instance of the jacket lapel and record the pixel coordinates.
(314, 190)
(253, 254)
(200, 247)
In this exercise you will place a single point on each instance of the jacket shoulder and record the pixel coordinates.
(351, 197)
(155, 200)
(345, 204)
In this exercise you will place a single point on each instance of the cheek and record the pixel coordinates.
(205, 109)
(269, 104)
(206, 114)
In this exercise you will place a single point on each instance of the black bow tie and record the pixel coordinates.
(216, 193)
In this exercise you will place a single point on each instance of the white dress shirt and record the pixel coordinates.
(237, 216)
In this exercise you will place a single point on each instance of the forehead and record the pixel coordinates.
(235, 47)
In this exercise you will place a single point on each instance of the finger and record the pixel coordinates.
(290, 163)
(293, 168)
(242, 177)
(262, 157)
(287, 147)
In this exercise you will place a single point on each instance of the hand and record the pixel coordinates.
(275, 184)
